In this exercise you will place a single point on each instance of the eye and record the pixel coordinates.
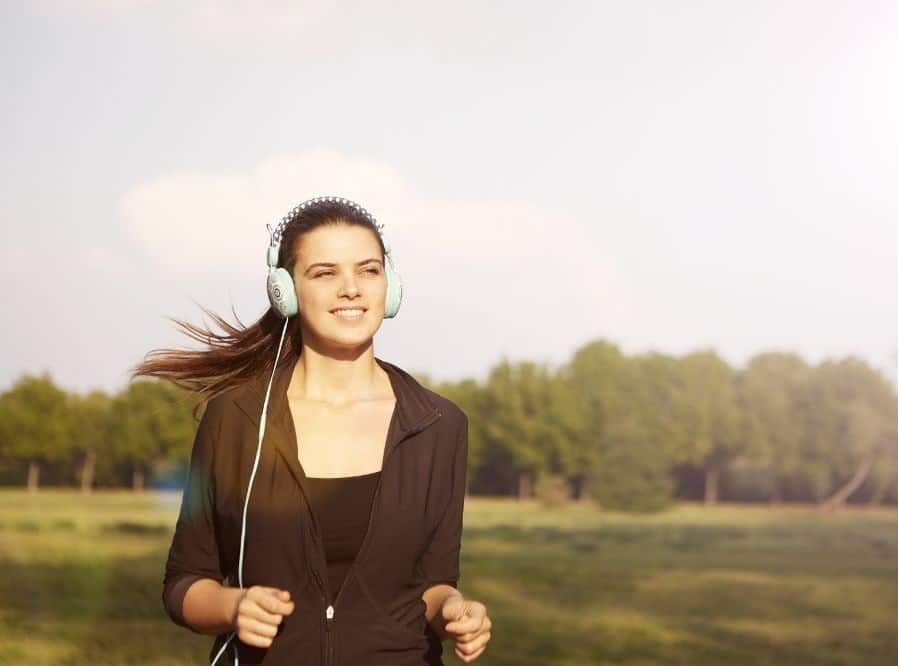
(373, 271)
(324, 273)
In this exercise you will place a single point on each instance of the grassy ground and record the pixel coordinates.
(82, 578)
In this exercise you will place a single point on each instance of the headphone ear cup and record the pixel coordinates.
(394, 290)
(282, 293)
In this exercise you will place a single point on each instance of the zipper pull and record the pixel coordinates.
(329, 614)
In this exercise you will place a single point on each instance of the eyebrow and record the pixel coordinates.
(331, 265)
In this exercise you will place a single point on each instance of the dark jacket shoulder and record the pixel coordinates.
(449, 409)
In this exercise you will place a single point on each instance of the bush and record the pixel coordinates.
(633, 478)
(552, 490)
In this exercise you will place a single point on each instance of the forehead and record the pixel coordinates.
(337, 243)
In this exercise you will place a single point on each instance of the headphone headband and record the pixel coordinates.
(278, 232)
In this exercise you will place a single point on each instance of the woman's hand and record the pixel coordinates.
(258, 613)
(468, 625)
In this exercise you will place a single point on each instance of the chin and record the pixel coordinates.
(352, 339)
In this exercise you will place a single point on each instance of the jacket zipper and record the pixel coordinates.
(325, 595)
(330, 611)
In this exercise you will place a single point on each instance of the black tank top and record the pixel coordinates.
(342, 506)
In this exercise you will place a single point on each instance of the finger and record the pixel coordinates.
(485, 626)
(277, 593)
(274, 592)
(261, 602)
(472, 638)
(255, 633)
(256, 612)
(469, 657)
(465, 625)
(272, 604)
(254, 640)
(254, 626)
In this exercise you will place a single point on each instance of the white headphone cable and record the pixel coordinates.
(249, 488)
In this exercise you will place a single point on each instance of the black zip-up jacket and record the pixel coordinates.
(412, 542)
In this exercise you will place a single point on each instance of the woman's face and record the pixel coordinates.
(339, 267)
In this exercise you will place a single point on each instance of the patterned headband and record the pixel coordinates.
(278, 232)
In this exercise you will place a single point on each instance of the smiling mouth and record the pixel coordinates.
(349, 313)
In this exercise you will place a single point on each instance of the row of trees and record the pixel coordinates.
(637, 431)
(633, 432)
(94, 439)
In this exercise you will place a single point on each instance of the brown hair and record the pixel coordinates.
(241, 352)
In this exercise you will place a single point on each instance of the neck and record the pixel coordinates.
(338, 381)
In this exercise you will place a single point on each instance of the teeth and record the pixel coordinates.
(349, 312)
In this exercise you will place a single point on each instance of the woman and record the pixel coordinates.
(326, 485)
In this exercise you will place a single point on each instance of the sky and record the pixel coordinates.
(668, 176)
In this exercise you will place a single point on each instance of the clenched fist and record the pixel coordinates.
(258, 613)
(468, 624)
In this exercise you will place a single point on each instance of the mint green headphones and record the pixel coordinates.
(281, 290)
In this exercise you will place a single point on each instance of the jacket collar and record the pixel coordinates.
(415, 409)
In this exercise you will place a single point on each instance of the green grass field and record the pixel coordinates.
(82, 576)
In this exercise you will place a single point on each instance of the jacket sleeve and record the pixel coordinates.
(440, 561)
(194, 552)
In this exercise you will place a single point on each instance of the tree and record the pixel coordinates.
(35, 424)
(150, 420)
(594, 378)
(517, 426)
(575, 452)
(851, 425)
(774, 392)
(90, 432)
(471, 398)
(640, 436)
(708, 409)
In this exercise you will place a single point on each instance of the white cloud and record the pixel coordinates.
(504, 262)
(196, 220)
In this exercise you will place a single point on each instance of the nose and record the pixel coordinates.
(349, 286)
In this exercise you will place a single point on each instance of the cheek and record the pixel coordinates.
(311, 301)
(309, 292)
(379, 293)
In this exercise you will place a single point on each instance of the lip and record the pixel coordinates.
(357, 317)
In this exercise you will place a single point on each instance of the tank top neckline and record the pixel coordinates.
(343, 478)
